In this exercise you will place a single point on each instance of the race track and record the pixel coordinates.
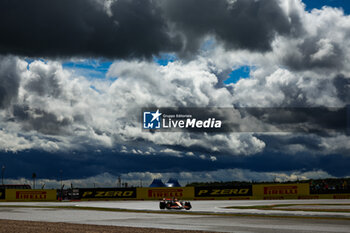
(205, 215)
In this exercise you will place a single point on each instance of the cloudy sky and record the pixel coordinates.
(74, 76)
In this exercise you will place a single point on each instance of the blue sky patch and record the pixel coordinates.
(90, 68)
(29, 61)
(164, 58)
(95, 89)
(344, 4)
(237, 74)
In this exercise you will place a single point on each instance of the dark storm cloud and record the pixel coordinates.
(136, 28)
(9, 80)
(44, 85)
(247, 24)
(93, 163)
(83, 165)
(277, 143)
(310, 55)
(342, 84)
(318, 120)
(40, 120)
(82, 28)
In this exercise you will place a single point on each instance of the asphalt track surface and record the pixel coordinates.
(205, 215)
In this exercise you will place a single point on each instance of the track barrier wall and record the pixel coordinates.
(30, 195)
(2, 194)
(241, 192)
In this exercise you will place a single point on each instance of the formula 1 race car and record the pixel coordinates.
(174, 204)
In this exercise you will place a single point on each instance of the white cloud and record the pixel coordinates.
(171, 152)
(57, 109)
(325, 49)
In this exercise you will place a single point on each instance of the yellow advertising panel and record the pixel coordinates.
(335, 196)
(2, 194)
(241, 192)
(280, 191)
(107, 193)
(160, 193)
(30, 195)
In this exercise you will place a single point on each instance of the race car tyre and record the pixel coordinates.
(187, 205)
(162, 205)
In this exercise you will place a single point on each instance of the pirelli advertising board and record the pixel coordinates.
(160, 193)
(2, 194)
(30, 195)
(107, 193)
(280, 191)
(229, 191)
